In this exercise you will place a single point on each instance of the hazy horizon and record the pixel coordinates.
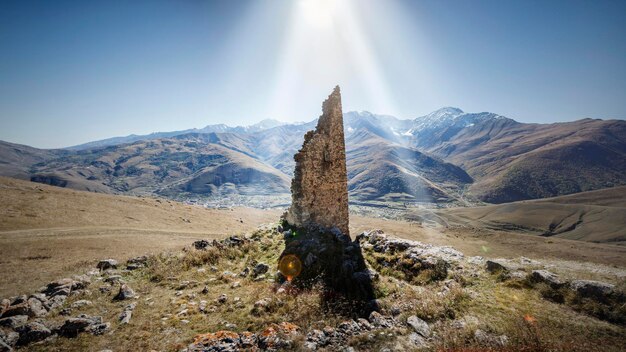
(79, 72)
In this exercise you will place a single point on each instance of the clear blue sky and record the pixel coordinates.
(76, 71)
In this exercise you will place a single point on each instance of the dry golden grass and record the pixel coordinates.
(156, 322)
(498, 244)
(68, 231)
(48, 232)
(530, 322)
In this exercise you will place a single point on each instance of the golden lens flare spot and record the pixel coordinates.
(290, 266)
(485, 249)
(529, 319)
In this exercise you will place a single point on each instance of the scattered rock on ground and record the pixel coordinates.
(125, 292)
(490, 339)
(496, 266)
(127, 313)
(222, 298)
(32, 332)
(378, 320)
(261, 306)
(417, 340)
(592, 289)
(276, 336)
(136, 262)
(219, 341)
(9, 337)
(420, 326)
(83, 323)
(107, 264)
(201, 244)
(14, 321)
(259, 269)
(81, 303)
(544, 276)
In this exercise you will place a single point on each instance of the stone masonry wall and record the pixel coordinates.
(319, 189)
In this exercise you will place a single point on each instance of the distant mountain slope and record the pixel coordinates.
(382, 170)
(193, 163)
(595, 216)
(513, 161)
(16, 160)
(220, 128)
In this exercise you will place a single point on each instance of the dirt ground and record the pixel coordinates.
(47, 233)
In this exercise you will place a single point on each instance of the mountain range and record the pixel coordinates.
(447, 156)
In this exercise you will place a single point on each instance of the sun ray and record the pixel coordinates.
(327, 45)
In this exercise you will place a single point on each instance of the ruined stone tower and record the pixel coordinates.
(319, 189)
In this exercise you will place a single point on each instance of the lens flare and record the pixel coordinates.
(290, 266)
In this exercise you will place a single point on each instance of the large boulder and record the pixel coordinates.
(380, 321)
(107, 264)
(592, 289)
(61, 287)
(223, 340)
(83, 323)
(32, 332)
(546, 277)
(125, 292)
(416, 260)
(32, 307)
(9, 338)
(259, 269)
(421, 327)
(498, 266)
(277, 336)
(14, 322)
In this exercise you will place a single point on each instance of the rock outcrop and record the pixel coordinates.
(319, 189)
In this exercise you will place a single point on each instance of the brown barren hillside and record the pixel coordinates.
(47, 232)
(513, 161)
(595, 216)
(50, 232)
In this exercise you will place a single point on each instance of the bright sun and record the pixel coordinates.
(326, 44)
(318, 13)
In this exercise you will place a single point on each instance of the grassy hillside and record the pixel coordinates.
(596, 216)
(210, 299)
(47, 232)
